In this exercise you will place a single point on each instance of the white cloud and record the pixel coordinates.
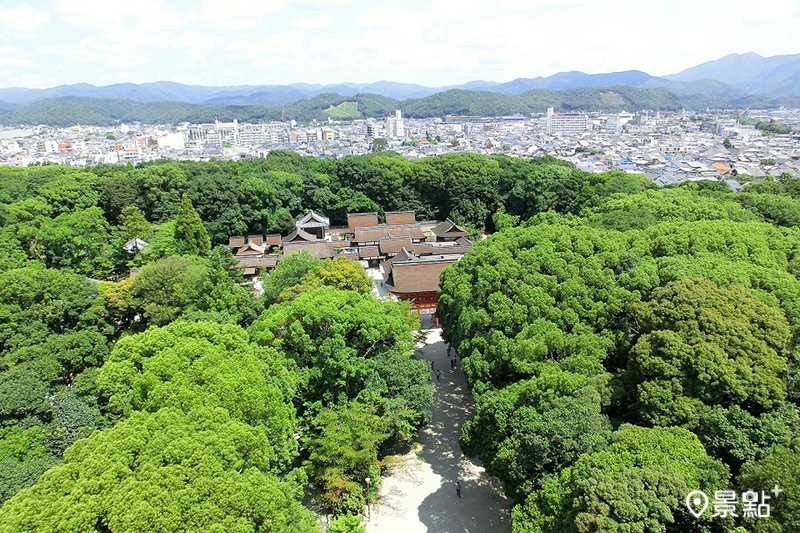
(316, 22)
(91, 13)
(23, 20)
(434, 42)
(450, 11)
(12, 56)
(197, 40)
(278, 49)
(389, 17)
(104, 15)
(319, 3)
(237, 15)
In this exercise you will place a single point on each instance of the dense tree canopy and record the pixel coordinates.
(777, 468)
(567, 330)
(350, 346)
(639, 483)
(600, 301)
(191, 237)
(164, 471)
(360, 387)
(690, 327)
(185, 287)
(204, 365)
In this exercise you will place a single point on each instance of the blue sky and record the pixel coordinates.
(44, 43)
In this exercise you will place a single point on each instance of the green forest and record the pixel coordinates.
(624, 343)
(70, 110)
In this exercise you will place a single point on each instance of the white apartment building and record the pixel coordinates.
(395, 128)
(236, 134)
(565, 123)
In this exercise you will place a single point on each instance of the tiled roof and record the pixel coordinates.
(360, 220)
(313, 220)
(376, 233)
(273, 239)
(251, 249)
(393, 245)
(422, 249)
(299, 235)
(394, 218)
(416, 276)
(448, 228)
(317, 248)
(367, 252)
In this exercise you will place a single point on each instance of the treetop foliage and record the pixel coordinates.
(162, 471)
(623, 343)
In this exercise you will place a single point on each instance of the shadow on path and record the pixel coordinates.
(426, 500)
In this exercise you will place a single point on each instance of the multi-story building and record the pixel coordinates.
(565, 123)
(236, 134)
(395, 127)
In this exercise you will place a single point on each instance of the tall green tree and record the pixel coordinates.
(779, 467)
(638, 484)
(164, 472)
(133, 224)
(350, 346)
(187, 287)
(703, 345)
(193, 365)
(191, 236)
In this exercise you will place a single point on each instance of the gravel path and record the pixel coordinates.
(419, 494)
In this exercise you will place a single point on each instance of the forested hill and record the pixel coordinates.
(625, 344)
(71, 110)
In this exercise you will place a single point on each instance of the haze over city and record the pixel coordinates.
(435, 42)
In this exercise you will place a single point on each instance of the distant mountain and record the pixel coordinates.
(705, 87)
(278, 96)
(734, 76)
(734, 81)
(750, 72)
(477, 85)
(71, 110)
(630, 78)
(399, 91)
(142, 92)
(569, 80)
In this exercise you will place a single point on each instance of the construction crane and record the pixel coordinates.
(742, 112)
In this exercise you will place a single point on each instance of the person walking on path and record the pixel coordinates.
(458, 488)
(438, 374)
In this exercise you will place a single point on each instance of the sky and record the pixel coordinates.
(45, 43)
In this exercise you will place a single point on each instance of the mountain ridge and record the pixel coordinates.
(732, 76)
(750, 72)
(71, 110)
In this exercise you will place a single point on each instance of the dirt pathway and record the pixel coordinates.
(419, 495)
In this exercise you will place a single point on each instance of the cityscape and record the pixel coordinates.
(666, 147)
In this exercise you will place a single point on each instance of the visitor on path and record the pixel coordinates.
(438, 374)
(458, 488)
